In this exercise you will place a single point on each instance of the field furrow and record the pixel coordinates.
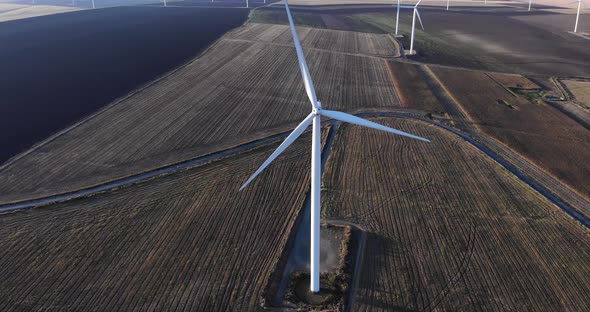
(449, 229)
(184, 241)
(236, 92)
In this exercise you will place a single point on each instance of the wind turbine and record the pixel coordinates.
(397, 17)
(577, 14)
(314, 117)
(93, 5)
(530, 3)
(165, 4)
(448, 1)
(415, 14)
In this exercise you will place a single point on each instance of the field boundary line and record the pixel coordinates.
(395, 83)
(501, 85)
(451, 96)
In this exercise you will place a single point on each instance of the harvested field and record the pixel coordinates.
(64, 67)
(512, 45)
(580, 90)
(538, 131)
(452, 232)
(238, 91)
(185, 241)
(513, 81)
(33, 11)
(413, 88)
(322, 39)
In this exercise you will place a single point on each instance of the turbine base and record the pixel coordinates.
(408, 52)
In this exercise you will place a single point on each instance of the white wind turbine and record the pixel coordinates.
(448, 2)
(530, 3)
(579, 2)
(93, 5)
(314, 117)
(415, 14)
(397, 17)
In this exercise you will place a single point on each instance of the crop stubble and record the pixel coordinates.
(236, 92)
(449, 229)
(185, 241)
(538, 131)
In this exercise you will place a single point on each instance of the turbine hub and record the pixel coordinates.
(316, 111)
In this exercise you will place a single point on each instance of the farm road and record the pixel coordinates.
(573, 204)
(537, 178)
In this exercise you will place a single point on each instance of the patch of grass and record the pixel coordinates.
(533, 95)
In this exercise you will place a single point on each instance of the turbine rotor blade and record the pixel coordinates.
(290, 139)
(406, 6)
(419, 19)
(362, 122)
(302, 64)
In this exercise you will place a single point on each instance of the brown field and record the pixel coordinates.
(187, 241)
(539, 132)
(236, 92)
(413, 90)
(580, 89)
(513, 81)
(453, 232)
(322, 39)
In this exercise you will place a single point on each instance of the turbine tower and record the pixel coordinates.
(448, 1)
(530, 3)
(314, 118)
(397, 17)
(579, 2)
(93, 5)
(415, 14)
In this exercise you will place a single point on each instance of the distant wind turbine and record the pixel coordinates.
(415, 14)
(448, 1)
(579, 2)
(530, 3)
(165, 4)
(314, 117)
(397, 17)
(93, 5)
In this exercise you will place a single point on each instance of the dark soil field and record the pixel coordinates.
(493, 38)
(536, 130)
(449, 229)
(238, 91)
(189, 241)
(60, 68)
(220, 3)
(500, 41)
(413, 88)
